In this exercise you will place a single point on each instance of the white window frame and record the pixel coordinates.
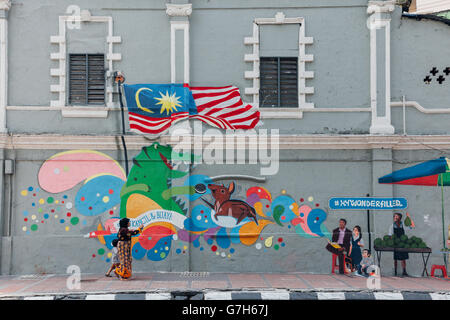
(61, 72)
(303, 58)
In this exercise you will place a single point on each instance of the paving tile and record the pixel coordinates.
(209, 284)
(289, 281)
(403, 283)
(247, 281)
(323, 281)
(169, 285)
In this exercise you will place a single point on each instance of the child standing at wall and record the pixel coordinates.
(115, 258)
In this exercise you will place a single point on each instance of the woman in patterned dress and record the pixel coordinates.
(124, 235)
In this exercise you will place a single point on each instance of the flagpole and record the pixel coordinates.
(120, 79)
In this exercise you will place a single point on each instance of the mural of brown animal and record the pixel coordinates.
(223, 206)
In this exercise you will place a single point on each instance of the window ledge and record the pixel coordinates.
(280, 113)
(84, 112)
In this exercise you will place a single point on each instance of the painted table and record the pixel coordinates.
(425, 252)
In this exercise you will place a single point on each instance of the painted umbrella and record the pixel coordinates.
(435, 173)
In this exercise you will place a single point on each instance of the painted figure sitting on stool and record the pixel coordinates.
(341, 236)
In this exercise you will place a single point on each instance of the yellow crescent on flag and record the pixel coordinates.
(139, 103)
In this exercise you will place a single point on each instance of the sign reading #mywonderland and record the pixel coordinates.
(368, 203)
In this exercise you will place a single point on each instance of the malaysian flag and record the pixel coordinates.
(153, 108)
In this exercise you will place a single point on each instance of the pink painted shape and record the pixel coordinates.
(303, 223)
(65, 170)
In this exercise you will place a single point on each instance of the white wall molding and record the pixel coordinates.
(184, 26)
(5, 5)
(379, 19)
(286, 142)
(61, 56)
(178, 10)
(303, 58)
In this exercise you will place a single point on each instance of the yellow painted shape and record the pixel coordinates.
(259, 209)
(249, 232)
(137, 204)
(101, 238)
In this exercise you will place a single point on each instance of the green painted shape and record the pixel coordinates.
(167, 194)
(277, 212)
(149, 176)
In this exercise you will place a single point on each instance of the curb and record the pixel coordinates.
(243, 295)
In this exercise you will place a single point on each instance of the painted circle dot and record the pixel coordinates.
(34, 227)
(232, 250)
(25, 213)
(276, 247)
(109, 255)
(62, 221)
(50, 200)
(41, 201)
(40, 210)
(301, 199)
(30, 188)
(101, 251)
(258, 246)
(82, 198)
(25, 219)
(69, 205)
(310, 199)
(56, 171)
(214, 248)
(24, 192)
(33, 217)
(105, 199)
(74, 220)
(67, 228)
(24, 228)
(69, 214)
(66, 168)
(280, 239)
(46, 216)
(110, 191)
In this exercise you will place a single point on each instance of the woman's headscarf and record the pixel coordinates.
(123, 223)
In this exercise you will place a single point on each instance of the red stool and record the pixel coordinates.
(439, 267)
(334, 263)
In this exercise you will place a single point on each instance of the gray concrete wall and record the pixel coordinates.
(313, 176)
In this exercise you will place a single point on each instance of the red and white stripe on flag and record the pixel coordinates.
(222, 107)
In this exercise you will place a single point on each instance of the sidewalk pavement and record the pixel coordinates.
(222, 286)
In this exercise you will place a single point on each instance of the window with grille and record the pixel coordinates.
(86, 79)
(278, 82)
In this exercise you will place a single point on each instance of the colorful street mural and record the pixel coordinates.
(178, 210)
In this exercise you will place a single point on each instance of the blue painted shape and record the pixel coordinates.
(367, 203)
(198, 179)
(222, 238)
(95, 197)
(137, 251)
(161, 250)
(315, 219)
